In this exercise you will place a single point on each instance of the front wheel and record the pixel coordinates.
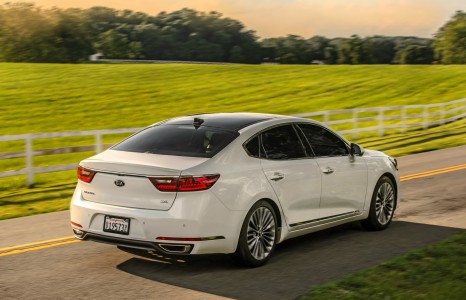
(382, 205)
(258, 235)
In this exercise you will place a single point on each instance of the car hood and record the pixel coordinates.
(374, 153)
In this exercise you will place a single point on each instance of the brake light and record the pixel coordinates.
(85, 175)
(184, 183)
(200, 183)
(165, 184)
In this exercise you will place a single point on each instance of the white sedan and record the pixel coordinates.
(237, 183)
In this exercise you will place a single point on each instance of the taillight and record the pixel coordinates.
(184, 183)
(200, 183)
(85, 175)
(165, 184)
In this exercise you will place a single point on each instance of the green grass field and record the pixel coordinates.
(436, 272)
(52, 97)
(46, 97)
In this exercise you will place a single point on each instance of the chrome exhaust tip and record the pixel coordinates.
(175, 248)
(79, 234)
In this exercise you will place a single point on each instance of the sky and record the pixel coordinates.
(330, 18)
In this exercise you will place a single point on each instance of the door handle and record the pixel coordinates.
(328, 170)
(277, 176)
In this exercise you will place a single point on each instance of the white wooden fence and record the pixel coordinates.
(399, 117)
(29, 153)
(377, 120)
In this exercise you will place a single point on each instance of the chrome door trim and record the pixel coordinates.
(320, 221)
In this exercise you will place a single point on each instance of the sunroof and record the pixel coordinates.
(229, 121)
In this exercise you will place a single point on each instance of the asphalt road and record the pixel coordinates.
(87, 270)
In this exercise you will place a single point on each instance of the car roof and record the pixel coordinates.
(228, 121)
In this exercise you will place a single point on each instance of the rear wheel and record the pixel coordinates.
(258, 235)
(382, 205)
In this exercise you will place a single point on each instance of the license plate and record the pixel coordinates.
(116, 225)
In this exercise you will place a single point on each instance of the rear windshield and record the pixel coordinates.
(181, 140)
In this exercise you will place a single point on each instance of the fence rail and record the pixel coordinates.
(379, 120)
(432, 115)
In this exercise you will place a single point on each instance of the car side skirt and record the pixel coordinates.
(320, 224)
(315, 222)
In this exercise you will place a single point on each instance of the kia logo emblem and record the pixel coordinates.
(119, 183)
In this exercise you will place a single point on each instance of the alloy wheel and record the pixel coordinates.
(384, 203)
(261, 233)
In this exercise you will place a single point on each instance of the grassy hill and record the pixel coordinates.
(52, 97)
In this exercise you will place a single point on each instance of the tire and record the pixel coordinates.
(382, 205)
(262, 239)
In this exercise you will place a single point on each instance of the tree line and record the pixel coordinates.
(29, 33)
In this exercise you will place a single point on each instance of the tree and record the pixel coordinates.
(383, 49)
(344, 53)
(150, 37)
(199, 49)
(417, 54)
(317, 45)
(26, 34)
(331, 54)
(236, 54)
(402, 42)
(291, 49)
(355, 51)
(101, 18)
(73, 41)
(114, 44)
(193, 35)
(450, 40)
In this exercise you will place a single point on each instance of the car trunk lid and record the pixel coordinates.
(122, 178)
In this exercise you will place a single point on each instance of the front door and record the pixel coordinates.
(344, 182)
(344, 177)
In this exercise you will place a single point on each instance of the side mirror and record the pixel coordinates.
(356, 150)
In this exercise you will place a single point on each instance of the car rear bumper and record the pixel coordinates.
(197, 223)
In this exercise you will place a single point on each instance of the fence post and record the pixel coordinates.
(403, 119)
(98, 143)
(355, 123)
(464, 106)
(461, 103)
(326, 117)
(426, 117)
(381, 121)
(442, 114)
(29, 165)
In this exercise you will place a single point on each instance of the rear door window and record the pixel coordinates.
(180, 140)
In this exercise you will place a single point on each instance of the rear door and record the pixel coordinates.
(294, 176)
(344, 177)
